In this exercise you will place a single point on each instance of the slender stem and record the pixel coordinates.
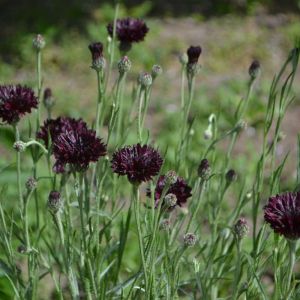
(139, 125)
(195, 211)
(292, 259)
(112, 49)
(237, 270)
(19, 182)
(140, 236)
(39, 83)
(99, 102)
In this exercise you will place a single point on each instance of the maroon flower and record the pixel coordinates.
(77, 148)
(128, 31)
(54, 127)
(283, 214)
(193, 54)
(96, 50)
(138, 162)
(180, 189)
(15, 102)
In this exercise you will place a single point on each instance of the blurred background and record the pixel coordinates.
(231, 33)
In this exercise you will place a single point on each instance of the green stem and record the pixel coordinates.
(292, 259)
(139, 123)
(19, 182)
(140, 236)
(195, 211)
(39, 83)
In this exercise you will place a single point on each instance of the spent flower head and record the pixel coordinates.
(138, 162)
(15, 102)
(283, 214)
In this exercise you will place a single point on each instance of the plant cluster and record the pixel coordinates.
(107, 197)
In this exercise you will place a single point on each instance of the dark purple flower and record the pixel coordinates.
(96, 50)
(180, 189)
(193, 54)
(138, 162)
(15, 102)
(54, 127)
(129, 30)
(283, 214)
(77, 148)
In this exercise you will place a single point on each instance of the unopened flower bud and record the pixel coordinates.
(190, 239)
(156, 71)
(183, 58)
(31, 184)
(231, 176)
(171, 177)
(124, 65)
(55, 203)
(48, 98)
(19, 146)
(204, 169)
(254, 69)
(170, 200)
(145, 79)
(241, 228)
(208, 133)
(165, 224)
(38, 42)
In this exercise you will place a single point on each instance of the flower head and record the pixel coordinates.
(180, 189)
(129, 30)
(55, 203)
(48, 98)
(193, 54)
(96, 50)
(98, 61)
(77, 148)
(54, 127)
(139, 163)
(254, 69)
(204, 169)
(283, 214)
(241, 228)
(15, 102)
